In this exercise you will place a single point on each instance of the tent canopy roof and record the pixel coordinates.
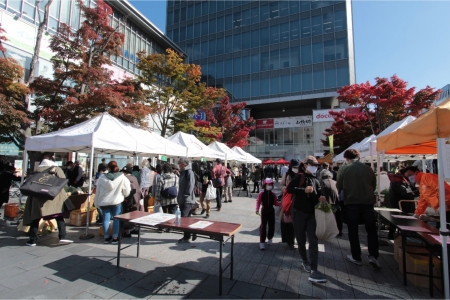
(195, 148)
(249, 158)
(230, 154)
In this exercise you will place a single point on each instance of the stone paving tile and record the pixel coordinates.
(247, 274)
(270, 276)
(247, 290)
(23, 279)
(29, 289)
(277, 294)
(85, 295)
(18, 260)
(259, 274)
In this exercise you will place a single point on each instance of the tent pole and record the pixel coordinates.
(88, 235)
(24, 169)
(424, 165)
(442, 213)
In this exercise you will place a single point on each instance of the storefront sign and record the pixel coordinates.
(264, 124)
(324, 115)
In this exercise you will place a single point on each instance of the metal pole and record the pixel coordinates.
(88, 235)
(442, 213)
(424, 165)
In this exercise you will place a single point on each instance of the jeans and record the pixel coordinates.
(365, 212)
(185, 209)
(34, 227)
(267, 220)
(206, 207)
(305, 224)
(219, 191)
(228, 193)
(108, 212)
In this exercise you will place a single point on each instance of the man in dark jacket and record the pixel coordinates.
(358, 183)
(6, 177)
(307, 193)
(186, 197)
(244, 177)
(74, 173)
(330, 192)
(256, 179)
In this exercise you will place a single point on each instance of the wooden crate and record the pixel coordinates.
(11, 210)
(78, 217)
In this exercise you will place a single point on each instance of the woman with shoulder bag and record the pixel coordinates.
(168, 179)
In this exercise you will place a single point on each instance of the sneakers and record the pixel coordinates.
(115, 241)
(65, 241)
(203, 211)
(307, 266)
(207, 216)
(352, 260)
(262, 246)
(269, 242)
(226, 201)
(374, 262)
(183, 240)
(108, 240)
(31, 243)
(317, 277)
(194, 236)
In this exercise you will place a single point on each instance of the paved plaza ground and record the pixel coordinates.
(165, 269)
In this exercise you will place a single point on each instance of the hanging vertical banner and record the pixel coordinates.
(330, 141)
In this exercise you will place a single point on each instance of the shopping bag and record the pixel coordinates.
(286, 202)
(43, 185)
(326, 227)
(210, 193)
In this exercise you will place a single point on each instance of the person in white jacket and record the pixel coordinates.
(112, 188)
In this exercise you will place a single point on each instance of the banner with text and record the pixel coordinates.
(294, 122)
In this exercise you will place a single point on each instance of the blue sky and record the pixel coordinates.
(407, 38)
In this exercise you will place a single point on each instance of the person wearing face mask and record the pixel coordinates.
(358, 183)
(429, 190)
(266, 200)
(307, 194)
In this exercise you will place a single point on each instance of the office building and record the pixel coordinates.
(284, 58)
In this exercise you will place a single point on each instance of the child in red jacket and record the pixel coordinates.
(266, 199)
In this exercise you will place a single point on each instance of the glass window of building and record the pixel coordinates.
(255, 87)
(284, 8)
(306, 27)
(264, 37)
(220, 5)
(65, 11)
(190, 31)
(246, 40)
(306, 54)
(255, 38)
(197, 50)
(170, 3)
(275, 85)
(229, 44)
(274, 60)
(212, 7)
(228, 65)
(296, 82)
(341, 48)
(220, 24)
(220, 46)
(317, 50)
(295, 32)
(236, 2)
(330, 78)
(212, 48)
(305, 5)
(285, 84)
(205, 27)
(170, 18)
(328, 50)
(182, 33)
(198, 10)
(175, 36)
(307, 81)
(264, 12)
(28, 11)
(54, 9)
(229, 87)
(16, 5)
(246, 17)
(284, 58)
(275, 34)
(237, 45)
(197, 29)
(255, 15)
(340, 20)
(295, 56)
(205, 8)
(204, 51)
(316, 4)
(328, 25)
(212, 26)
(342, 76)
(265, 86)
(211, 69)
(318, 80)
(219, 69)
(246, 65)
(176, 16)
(236, 66)
(183, 14)
(316, 25)
(246, 89)
(273, 9)
(237, 93)
(284, 32)
(294, 7)
(237, 19)
(228, 21)
(255, 63)
(190, 12)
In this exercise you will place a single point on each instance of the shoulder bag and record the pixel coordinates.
(44, 185)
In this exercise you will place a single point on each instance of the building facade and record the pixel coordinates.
(284, 58)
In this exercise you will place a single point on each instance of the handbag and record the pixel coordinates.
(198, 189)
(210, 193)
(286, 202)
(170, 192)
(43, 185)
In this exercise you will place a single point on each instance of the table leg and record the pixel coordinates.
(405, 280)
(139, 240)
(232, 257)
(220, 266)
(430, 272)
(119, 244)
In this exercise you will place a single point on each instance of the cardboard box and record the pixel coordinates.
(412, 246)
(418, 263)
(78, 217)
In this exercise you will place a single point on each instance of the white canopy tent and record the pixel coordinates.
(229, 154)
(195, 148)
(103, 134)
(340, 156)
(250, 158)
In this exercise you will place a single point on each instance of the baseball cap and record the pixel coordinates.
(311, 160)
(127, 169)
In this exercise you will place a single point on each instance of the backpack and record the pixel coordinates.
(170, 192)
(218, 182)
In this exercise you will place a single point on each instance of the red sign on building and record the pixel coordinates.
(264, 124)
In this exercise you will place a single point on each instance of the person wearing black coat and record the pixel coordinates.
(5, 183)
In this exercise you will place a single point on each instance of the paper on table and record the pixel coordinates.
(414, 228)
(438, 238)
(200, 224)
(154, 219)
(403, 217)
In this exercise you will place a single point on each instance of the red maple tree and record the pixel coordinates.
(385, 102)
(81, 86)
(227, 117)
